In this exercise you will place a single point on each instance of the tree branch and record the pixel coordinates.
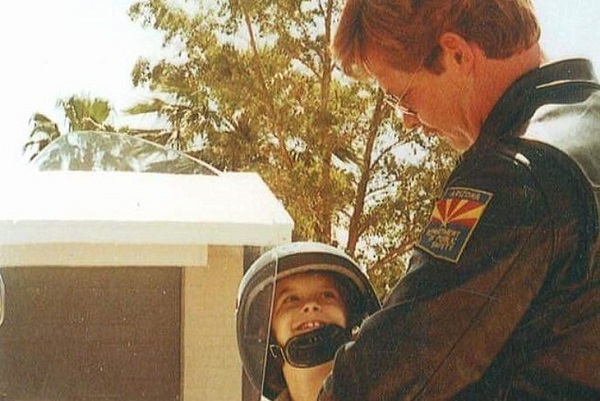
(392, 254)
(354, 229)
(263, 84)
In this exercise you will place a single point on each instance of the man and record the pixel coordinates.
(288, 335)
(501, 300)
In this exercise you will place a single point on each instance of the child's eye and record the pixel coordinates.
(329, 295)
(291, 298)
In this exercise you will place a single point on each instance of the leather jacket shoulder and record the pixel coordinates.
(505, 266)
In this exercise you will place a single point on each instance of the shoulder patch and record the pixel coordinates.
(453, 221)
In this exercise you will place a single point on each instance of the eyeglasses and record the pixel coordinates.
(397, 102)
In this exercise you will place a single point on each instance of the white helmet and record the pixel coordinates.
(254, 309)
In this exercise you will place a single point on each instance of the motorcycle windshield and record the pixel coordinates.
(109, 151)
(254, 330)
(2, 301)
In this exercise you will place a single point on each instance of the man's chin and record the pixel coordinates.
(459, 144)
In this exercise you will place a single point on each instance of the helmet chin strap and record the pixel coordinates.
(312, 348)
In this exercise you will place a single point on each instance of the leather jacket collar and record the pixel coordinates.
(552, 83)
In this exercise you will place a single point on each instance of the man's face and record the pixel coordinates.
(305, 302)
(437, 103)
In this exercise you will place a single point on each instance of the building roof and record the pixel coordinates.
(140, 208)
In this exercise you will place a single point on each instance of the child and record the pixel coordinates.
(319, 299)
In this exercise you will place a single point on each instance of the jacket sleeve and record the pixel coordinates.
(467, 289)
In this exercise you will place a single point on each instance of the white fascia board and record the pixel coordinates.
(99, 255)
(141, 208)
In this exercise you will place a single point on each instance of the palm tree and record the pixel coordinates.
(86, 114)
(81, 113)
(44, 131)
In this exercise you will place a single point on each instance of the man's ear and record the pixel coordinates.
(456, 52)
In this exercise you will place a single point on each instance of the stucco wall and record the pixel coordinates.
(211, 364)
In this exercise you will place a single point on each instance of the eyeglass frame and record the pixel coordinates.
(396, 101)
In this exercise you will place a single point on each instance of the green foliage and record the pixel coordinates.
(86, 114)
(81, 114)
(43, 132)
(251, 86)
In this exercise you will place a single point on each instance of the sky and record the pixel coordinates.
(55, 49)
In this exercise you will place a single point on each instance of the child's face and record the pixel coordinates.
(305, 302)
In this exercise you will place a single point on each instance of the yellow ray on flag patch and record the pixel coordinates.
(453, 221)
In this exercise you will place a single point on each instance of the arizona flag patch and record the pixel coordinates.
(453, 221)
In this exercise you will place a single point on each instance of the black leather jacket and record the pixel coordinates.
(502, 298)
